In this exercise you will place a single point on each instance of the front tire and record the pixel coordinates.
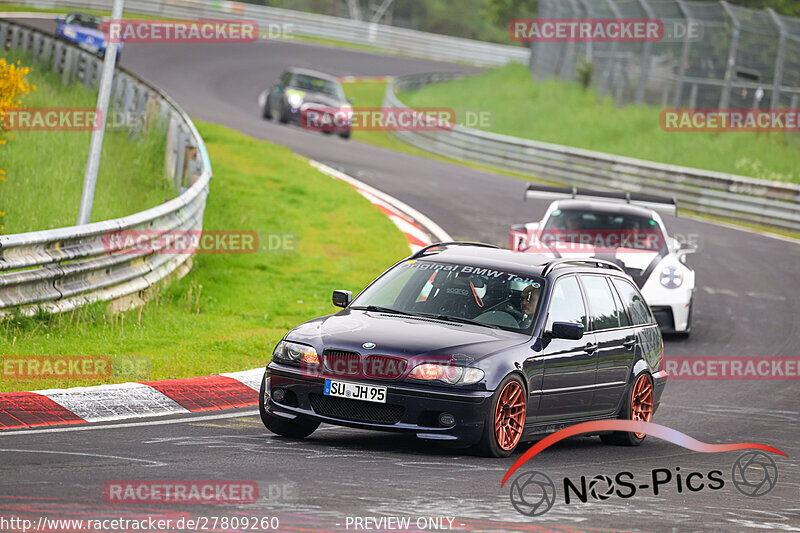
(505, 421)
(638, 406)
(283, 117)
(266, 111)
(298, 428)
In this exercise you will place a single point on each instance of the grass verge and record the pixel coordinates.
(231, 310)
(562, 113)
(45, 169)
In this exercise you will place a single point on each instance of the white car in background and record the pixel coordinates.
(622, 228)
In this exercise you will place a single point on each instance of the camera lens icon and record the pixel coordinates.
(532, 493)
(754, 474)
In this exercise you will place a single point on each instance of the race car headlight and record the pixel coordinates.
(69, 32)
(294, 99)
(450, 374)
(671, 277)
(294, 353)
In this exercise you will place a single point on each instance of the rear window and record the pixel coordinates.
(601, 300)
(634, 303)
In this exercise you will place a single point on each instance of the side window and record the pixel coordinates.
(601, 301)
(624, 321)
(637, 308)
(566, 304)
(286, 78)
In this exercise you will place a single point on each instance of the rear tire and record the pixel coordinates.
(505, 419)
(344, 134)
(298, 428)
(638, 406)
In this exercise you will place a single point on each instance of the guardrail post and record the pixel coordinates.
(3, 34)
(676, 99)
(644, 67)
(14, 37)
(725, 98)
(779, 59)
(169, 153)
(70, 60)
(180, 156)
(25, 40)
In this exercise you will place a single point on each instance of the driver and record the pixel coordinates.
(527, 305)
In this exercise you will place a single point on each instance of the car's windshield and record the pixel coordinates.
(86, 21)
(611, 230)
(310, 83)
(491, 297)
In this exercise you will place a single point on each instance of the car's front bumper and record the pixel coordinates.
(409, 407)
(671, 307)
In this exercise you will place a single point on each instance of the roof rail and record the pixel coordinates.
(421, 252)
(599, 263)
(656, 203)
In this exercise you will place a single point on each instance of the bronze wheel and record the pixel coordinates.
(642, 401)
(509, 416)
(638, 406)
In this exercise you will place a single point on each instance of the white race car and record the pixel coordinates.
(622, 228)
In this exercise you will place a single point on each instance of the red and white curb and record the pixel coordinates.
(103, 403)
(419, 230)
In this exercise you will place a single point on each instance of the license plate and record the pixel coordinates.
(355, 391)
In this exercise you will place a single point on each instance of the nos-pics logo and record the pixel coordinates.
(533, 493)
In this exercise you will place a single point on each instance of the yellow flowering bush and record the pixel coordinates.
(13, 87)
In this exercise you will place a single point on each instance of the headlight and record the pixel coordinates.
(671, 277)
(450, 374)
(294, 99)
(291, 352)
(69, 32)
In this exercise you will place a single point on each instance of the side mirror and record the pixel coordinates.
(687, 248)
(342, 298)
(567, 330)
(59, 20)
(350, 100)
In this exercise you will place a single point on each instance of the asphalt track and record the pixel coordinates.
(746, 304)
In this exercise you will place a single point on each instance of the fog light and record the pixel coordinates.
(446, 419)
(278, 394)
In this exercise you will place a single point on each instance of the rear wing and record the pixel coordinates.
(656, 203)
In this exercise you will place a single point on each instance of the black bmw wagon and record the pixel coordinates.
(471, 344)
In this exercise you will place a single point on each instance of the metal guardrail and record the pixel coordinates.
(739, 198)
(60, 269)
(381, 36)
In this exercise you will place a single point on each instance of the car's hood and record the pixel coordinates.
(402, 336)
(321, 99)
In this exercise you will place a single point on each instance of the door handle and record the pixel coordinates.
(629, 343)
(590, 348)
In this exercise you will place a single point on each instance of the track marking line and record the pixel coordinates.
(84, 454)
(247, 412)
